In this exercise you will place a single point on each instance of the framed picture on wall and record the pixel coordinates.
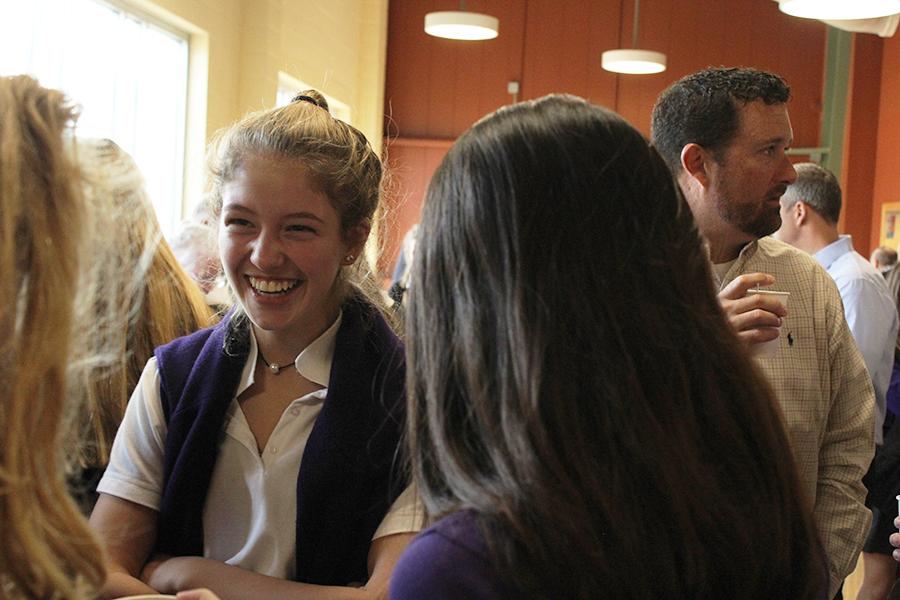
(890, 224)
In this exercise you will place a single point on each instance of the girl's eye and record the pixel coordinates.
(235, 223)
(297, 228)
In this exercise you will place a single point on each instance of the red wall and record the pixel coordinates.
(437, 88)
(860, 140)
(411, 162)
(887, 159)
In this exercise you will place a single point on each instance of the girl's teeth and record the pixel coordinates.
(271, 287)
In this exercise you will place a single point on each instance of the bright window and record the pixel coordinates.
(128, 73)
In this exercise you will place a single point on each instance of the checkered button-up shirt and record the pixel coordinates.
(825, 394)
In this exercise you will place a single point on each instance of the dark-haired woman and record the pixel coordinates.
(583, 423)
(258, 458)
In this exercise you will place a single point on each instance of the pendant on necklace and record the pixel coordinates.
(274, 367)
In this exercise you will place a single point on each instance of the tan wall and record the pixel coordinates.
(339, 46)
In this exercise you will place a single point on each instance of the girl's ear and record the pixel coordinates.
(356, 240)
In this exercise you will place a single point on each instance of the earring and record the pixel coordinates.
(349, 259)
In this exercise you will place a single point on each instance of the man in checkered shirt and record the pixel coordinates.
(724, 134)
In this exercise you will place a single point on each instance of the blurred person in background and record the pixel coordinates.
(137, 277)
(883, 259)
(195, 248)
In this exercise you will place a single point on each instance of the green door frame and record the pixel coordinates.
(830, 151)
(839, 47)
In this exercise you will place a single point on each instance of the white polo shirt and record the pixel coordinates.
(251, 507)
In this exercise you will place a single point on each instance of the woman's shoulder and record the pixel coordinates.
(367, 336)
(448, 560)
(193, 342)
(363, 317)
(460, 529)
(216, 349)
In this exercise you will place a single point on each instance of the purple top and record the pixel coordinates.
(449, 560)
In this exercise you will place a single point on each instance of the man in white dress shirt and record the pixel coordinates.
(810, 210)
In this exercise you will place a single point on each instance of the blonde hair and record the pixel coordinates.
(337, 155)
(46, 548)
(136, 291)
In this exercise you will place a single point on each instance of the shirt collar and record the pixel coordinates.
(833, 251)
(719, 278)
(314, 362)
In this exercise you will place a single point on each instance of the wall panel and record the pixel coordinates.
(706, 33)
(887, 173)
(435, 89)
(563, 44)
(860, 142)
(411, 162)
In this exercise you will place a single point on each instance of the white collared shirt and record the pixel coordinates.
(251, 507)
(871, 314)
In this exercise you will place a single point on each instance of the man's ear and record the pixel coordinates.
(694, 160)
(800, 212)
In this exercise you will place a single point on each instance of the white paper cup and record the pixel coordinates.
(769, 348)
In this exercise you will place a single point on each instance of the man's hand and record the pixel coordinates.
(757, 317)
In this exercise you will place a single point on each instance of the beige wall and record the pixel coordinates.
(338, 46)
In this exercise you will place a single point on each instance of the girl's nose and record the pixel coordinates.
(267, 253)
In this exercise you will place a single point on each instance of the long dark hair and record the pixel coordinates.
(573, 380)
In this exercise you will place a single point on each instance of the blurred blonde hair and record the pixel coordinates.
(46, 548)
(134, 292)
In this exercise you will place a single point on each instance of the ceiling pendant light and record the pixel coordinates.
(839, 10)
(633, 61)
(461, 24)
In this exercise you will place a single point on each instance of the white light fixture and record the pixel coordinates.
(461, 24)
(633, 61)
(839, 10)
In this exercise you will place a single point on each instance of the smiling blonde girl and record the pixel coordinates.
(257, 458)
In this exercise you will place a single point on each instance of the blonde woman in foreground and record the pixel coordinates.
(46, 549)
(48, 234)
